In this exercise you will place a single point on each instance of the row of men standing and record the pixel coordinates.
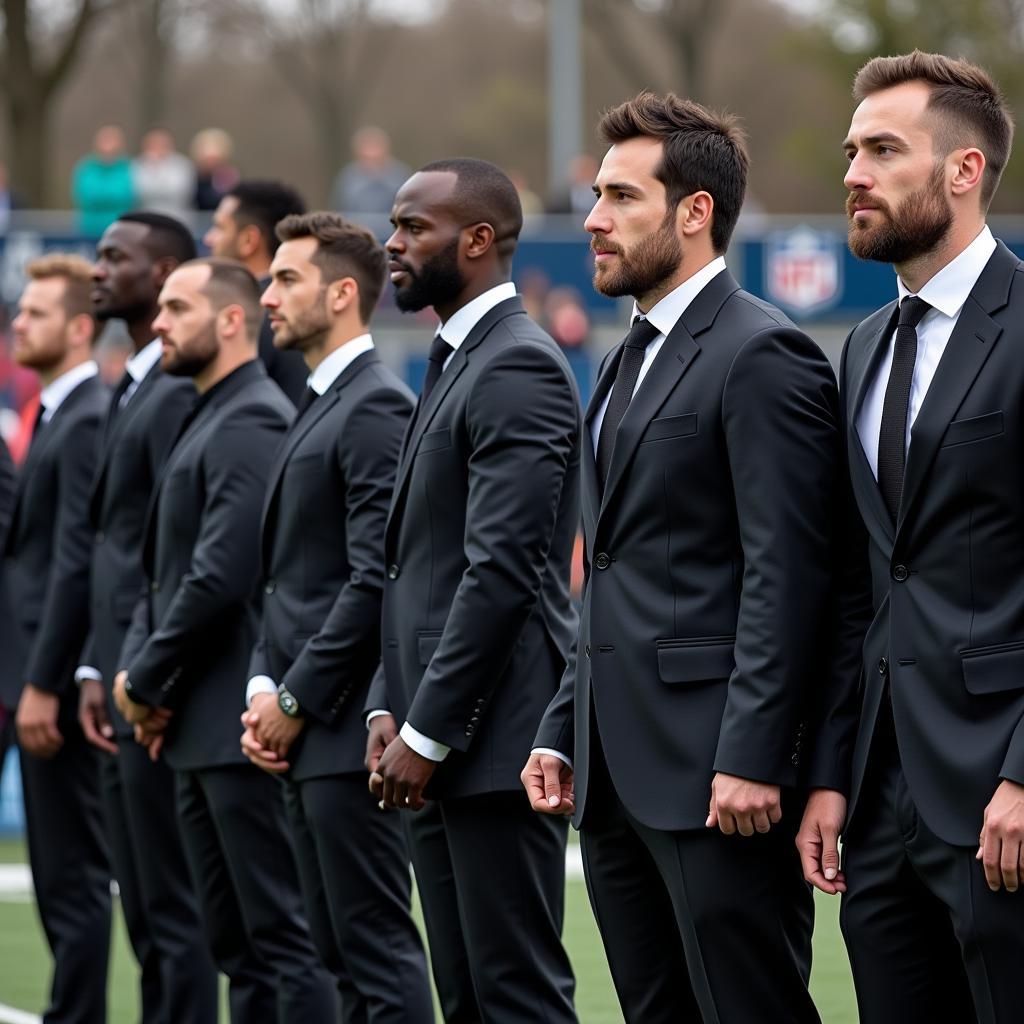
(412, 567)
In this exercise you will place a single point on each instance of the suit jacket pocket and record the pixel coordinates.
(994, 669)
(670, 426)
(977, 428)
(427, 641)
(695, 660)
(435, 440)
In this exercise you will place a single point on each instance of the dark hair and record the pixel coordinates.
(231, 283)
(703, 151)
(344, 249)
(969, 106)
(166, 237)
(262, 204)
(485, 194)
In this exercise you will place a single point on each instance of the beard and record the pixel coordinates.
(438, 281)
(306, 329)
(914, 228)
(190, 357)
(128, 311)
(641, 270)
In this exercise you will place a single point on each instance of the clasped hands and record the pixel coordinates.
(269, 734)
(398, 775)
(150, 723)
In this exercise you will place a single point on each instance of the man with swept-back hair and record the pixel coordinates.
(477, 617)
(933, 842)
(183, 661)
(710, 480)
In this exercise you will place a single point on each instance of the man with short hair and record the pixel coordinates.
(46, 580)
(322, 549)
(243, 229)
(932, 384)
(184, 658)
(133, 260)
(710, 476)
(477, 616)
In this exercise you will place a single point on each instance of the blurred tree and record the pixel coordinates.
(34, 65)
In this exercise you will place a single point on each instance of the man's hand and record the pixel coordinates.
(274, 729)
(151, 733)
(400, 777)
(133, 712)
(36, 722)
(381, 732)
(261, 756)
(742, 805)
(1002, 835)
(818, 840)
(93, 717)
(548, 782)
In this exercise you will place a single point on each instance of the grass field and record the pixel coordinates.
(24, 962)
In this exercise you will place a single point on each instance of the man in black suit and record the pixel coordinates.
(8, 487)
(191, 636)
(243, 229)
(932, 385)
(709, 483)
(323, 547)
(477, 619)
(46, 583)
(133, 259)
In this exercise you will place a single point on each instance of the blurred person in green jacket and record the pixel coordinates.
(101, 183)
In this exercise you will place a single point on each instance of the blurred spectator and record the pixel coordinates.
(165, 180)
(112, 352)
(533, 286)
(215, 176)
(8, 201)
(582, 172)
(369, 183)
(101, 184)
(530, 201)
(565, 318)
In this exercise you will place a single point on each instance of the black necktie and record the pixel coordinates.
(641, 334)
(892, 435)
(118, 400)
(440, 350)
(39, 425)
(309, 396)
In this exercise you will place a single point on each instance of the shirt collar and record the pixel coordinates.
(140, 363)
(947, 291)
(51, 397)
(456, 329)
(665, 313)
(339, 360)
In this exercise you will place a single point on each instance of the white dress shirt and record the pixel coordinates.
(946, 293)
(330, 369)
(454, 331)
(138, 365)
(52, 396)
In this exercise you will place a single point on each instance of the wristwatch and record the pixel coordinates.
(287, 703)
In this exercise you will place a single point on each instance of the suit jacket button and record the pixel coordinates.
(393, 572)
(154, 586)
(587, 649)
(602, 561)
(883, 666)
(900, 573)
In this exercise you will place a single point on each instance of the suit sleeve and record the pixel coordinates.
(64, 622)
(323, 675)
(377, 698)
(138, 630)
(523, 425)
(225, 557)
(780, 416)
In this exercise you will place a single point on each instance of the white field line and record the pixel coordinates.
(9, 1015)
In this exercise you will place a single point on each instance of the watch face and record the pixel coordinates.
(287, 703)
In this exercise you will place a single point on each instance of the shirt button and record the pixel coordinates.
(394, 572)
(602, 561)
(900, 573)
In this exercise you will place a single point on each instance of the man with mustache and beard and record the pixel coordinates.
(182, 681)
(933, 386)
(477, 615)
(709, 641)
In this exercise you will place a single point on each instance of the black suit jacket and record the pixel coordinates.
(322, 555)
(477, 618)
(8, 487)
(286, 367)
(134, 444)
(46, 568)
(948, 577)
(192, 632)
(708, 631)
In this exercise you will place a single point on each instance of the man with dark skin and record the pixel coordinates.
(243, 229)
(477, 616)
(133, 259)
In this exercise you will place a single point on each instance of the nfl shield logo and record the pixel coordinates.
(803, 269)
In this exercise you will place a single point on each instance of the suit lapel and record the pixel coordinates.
(973, 339)
(591, 490)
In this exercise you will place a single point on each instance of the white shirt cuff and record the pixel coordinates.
(84, 672)
(423, 745)
(553, 753)
(375, 714)
(259, 684)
